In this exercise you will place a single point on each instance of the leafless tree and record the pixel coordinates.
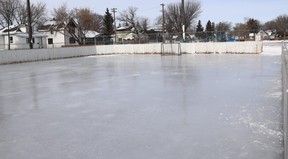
(143, 24)
(88, 20)
(223, 30)
(83, 18)
(241, 30)
(38, 13)
(270, 25)
(65, 19)
(223, 26)
(8, 11)
(130, 17)
(16, 12)
(173, 22)
(282, 24)
(62, 14)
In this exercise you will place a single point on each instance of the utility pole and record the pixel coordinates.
(183, 18)
(8, 17)
(29, 25)
(114, 10)
(163, 23)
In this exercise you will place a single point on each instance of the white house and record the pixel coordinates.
(266, 35)
(90, 37)
(126, 34)
(19, 38)
(59, 35)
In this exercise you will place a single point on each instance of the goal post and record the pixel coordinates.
(171, 49)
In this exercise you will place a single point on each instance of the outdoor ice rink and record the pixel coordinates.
(143, 107)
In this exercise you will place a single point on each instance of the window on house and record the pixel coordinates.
(50, 41)
(72, 40)
(11, 39)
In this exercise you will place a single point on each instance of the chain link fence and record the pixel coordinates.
(215, 36)
(153, 36)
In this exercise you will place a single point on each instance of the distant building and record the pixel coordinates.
(58, 34)
(95, 38)
(126, 34)
(19, 38)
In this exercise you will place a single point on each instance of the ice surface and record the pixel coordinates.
(143, 107)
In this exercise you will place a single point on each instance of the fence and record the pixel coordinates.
(285, 96)
(215, 36)
(15, 56)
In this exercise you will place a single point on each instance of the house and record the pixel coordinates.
(60, 34)
(93, 37)
(155, 35)
(19, 38)
(123, 34)
(126, 34)
(266, 35)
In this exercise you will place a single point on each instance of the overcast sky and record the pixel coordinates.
(215, 10)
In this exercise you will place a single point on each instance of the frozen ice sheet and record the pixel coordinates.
(142, 106)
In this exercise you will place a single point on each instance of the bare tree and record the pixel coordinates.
(223, 26)
(241, 30)
(38, 13)
(282, 25)
(62, 14)
(143, 24)
(130, 17)
(88, 20)
(222, 30)
(8, 11)
(65, 19)
(97, 22)
(192, 10)
(83, 19)
(270, 25)
(16, 12)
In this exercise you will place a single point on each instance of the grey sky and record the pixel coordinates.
(221, 10)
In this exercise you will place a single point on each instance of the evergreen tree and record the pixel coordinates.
(210, 27)
(199, 30)
(253, 25)
(108, 23)
(199, 27)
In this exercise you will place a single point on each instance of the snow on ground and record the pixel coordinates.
(272, 47)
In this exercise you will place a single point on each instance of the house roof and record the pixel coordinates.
(16, 30)
(51, 25)
(91, 34)
(54, 25)
(11, 29)
(124, 28)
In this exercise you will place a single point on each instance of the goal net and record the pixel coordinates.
(171, 49)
